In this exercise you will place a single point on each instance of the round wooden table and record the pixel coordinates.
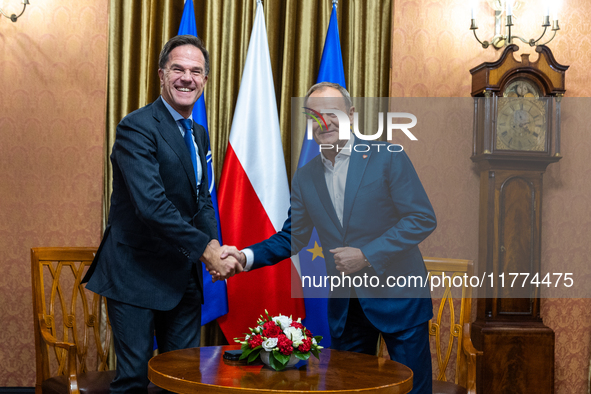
(205, 370)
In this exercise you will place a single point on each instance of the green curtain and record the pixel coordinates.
(296, 30)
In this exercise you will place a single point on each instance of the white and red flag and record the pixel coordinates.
(253, 196)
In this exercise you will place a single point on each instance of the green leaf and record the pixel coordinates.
(282, 358)
(301, 356)
(245, 353)
(254, 354)
(315, 352)
(318, 338)
(245, 346)
(276, 365)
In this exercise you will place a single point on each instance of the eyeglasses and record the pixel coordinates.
(177, 72)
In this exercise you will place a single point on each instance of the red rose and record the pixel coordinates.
(255, 341)
(272, 332)
(285, 345)
(269, 324)
(297, 325)
(306, 345)
(308, 333)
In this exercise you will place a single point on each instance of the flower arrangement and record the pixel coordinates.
(282, 338)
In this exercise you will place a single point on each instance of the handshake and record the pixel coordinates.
(223, 262)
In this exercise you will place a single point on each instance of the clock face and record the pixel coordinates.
(521, 124)
(521, 118)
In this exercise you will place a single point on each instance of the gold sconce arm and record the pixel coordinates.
(473, 27)
(501, 40)
(14, 17)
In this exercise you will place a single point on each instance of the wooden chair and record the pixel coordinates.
(449, 329)
(71, 340)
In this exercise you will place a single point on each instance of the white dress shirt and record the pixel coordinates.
(336, 177)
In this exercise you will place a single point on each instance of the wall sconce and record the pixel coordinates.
(500, 40)
(14, 17)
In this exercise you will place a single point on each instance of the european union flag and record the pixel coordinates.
(312, 259)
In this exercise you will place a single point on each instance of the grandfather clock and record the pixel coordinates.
(516, 136)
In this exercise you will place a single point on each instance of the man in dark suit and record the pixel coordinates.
(161, 222)
(371, 212)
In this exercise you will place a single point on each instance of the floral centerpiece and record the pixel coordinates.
(279, 341)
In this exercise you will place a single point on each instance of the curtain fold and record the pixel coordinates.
(296, 31)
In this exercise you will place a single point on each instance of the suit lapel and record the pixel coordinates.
(171, 134)
(322, 190)
(357, 166)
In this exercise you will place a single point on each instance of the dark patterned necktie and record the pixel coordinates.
(188, 126)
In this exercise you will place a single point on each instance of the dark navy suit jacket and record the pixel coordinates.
(386, 214)
(157, 226)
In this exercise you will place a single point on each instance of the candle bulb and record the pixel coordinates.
(472, 12)
(509, 8)
(554, 7)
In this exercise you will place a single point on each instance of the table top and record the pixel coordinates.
(205, 370)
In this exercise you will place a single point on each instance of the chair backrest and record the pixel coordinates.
(69, 311)
(452, 301)
(452, 304)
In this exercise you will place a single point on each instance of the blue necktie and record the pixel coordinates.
(188, 126)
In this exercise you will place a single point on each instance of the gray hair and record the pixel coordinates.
(319, 87)
(178, 41)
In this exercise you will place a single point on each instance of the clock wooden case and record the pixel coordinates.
(516, 136)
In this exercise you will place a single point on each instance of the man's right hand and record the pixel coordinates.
(223, 268)
(232, 251)
(228, 252)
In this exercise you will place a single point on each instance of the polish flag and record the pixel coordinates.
(253, 196)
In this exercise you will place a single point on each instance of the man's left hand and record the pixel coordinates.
(349, 260)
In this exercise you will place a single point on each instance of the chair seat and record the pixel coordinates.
(89, 383)
(440, 387)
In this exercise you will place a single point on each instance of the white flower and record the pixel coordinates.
(295, 334)
(269, 344)
(246, 337)
(314, 342)
(282, 321)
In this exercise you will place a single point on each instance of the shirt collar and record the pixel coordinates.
(173, 112)
(344, 151)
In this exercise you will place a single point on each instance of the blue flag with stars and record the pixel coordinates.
(312, 258)
(214, 294)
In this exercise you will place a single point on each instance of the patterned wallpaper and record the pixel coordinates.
(433, 50)
(52, 121)
(566, 221)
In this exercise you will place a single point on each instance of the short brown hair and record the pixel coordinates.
(178, 41)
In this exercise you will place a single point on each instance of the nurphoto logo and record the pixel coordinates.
(345, 127)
